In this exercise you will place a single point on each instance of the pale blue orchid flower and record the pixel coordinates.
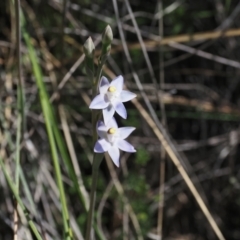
(111, 97)
(112, 139)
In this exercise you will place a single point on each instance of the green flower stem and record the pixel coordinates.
(97, 159)
(97, 79)
(92, 203)
(18, 148)
(96, 114)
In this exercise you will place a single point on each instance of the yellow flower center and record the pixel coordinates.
(111, 130)
(112, 89)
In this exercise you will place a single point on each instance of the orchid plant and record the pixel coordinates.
(108, 97)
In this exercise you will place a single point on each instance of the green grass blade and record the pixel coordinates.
(46, 108)
(20, 93)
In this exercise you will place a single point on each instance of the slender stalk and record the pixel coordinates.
(92, 203)
(17, 170)
(95, 113)
(64, 12)
(96, 160)
(163, 120)
(161, 193)
(20, 95)
(20, 116)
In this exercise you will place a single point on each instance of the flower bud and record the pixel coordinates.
(107, 36)
(88, 47)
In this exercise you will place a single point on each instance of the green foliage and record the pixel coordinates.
(175, 20)
(137, 183)
(177, 28)
(137, 189)
(142, 157)
(227, 5)
(133, 119)
(202, 14)
(136, 55)
(141, 21)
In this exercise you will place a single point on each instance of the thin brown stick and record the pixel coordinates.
(64, 12)
(206, 55)
(15, 223)
(151, 44)
(200, 105)
(163, 120)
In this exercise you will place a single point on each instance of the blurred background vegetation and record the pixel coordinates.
(186, 55)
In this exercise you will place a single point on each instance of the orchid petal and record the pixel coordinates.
(104, 85)
(101, 129)
(125, 146)
(112, 123)
(103, 90)
(114, 153)
(121, 110)
(108, 113)
(124, 132)
(127, 96)
(100, 124)
(117, 83)
(101, 146)
(99, 102)
(103, 81)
